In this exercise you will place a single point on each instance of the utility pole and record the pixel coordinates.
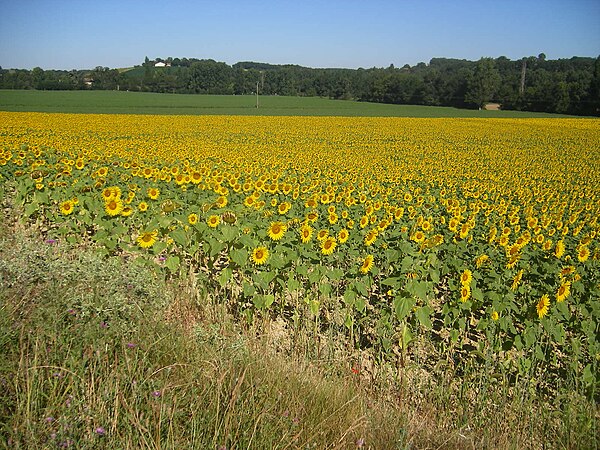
(257, 94)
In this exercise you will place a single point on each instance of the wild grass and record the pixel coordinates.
(100, 352)
(119, 102)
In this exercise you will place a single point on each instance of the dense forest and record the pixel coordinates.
(532, 83)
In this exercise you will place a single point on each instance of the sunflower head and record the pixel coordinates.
(114, 207)
(213, 221)
(67, 207)
(305, 233)
(543, 305)
(259, 255)
(147, 239)
(328, 245)
(367, 264)
(276, 230)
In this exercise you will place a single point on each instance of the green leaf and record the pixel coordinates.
(336, 274)
(230, 232)
(179, 236)
(423, 314)
(360, 304)
(172, 263)
(30, 209)
(314, 307)
(392, 282)
(361, 288)
(302, 270)
(215, 247)
(224, 277)
(477, 294)
(325, 289)
(248, 289)
(349, 297)
(407, 264)
(239, 256)
(263, 301)
(403, 306)
(247, 241)
(266, 277)
(587, 375)
(405, 337)
(349, 321)
(293, 284)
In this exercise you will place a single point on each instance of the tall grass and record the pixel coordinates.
(100, 352)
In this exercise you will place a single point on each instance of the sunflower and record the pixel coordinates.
(193, 219)
(306, 232)
(276, 230)
(284, 207)
(322, 235)
(542, 306)
(312, 217)
(343, 236)
(147, 239)
(364, 221)
(229, 217)
(153, 193)
(127, 211)
(328, 246)
(111, 193)
(143, 206)
(517, 280)
(418, 237)
(583, 253)
(260, 255)
(465, 293)
(367, 264)
(563, 291)
(67, 207)
(114, 207)
(370, 237)
(481, 260)
(495, 315)
(213, 221)
(221, 202)
(466, 277)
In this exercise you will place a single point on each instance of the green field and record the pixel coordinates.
(119, 102)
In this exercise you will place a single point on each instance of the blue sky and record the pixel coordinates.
(69, 34)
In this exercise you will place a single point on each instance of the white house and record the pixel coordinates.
(160, 64)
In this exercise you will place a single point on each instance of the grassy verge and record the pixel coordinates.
(114, 102)
(102, 352)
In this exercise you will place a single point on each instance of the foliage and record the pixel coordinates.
(468, 224)
(567, 86)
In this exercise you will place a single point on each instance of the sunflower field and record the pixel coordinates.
(483, 234)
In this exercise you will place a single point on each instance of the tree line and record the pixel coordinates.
(533, 83)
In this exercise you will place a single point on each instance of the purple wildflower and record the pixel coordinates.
(156, 394)
(51, 241)
(360, 442)
(100, 431)
(131, 345)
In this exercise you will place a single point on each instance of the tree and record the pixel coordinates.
(484, 83)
